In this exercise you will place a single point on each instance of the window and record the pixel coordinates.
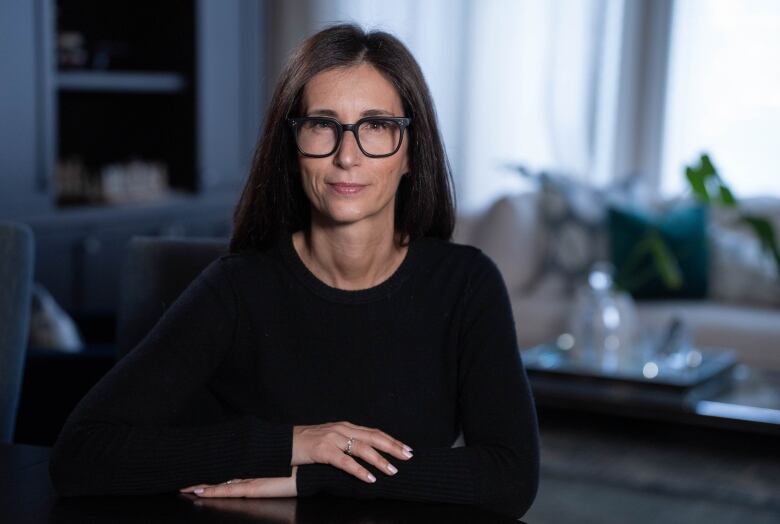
(723, 93)
(514, 81)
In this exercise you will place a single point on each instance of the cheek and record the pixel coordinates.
(396, 172)
(310, 180)
(396, 166)
(388, 177)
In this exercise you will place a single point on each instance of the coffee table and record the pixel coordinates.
(739, 398)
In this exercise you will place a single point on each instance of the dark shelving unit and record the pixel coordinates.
(112, 82)
(130, 35)
(125, 85)
(124, 118)
(122, 82)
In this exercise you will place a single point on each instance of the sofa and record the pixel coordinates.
(740, 312)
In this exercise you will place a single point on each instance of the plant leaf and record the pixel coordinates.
(706, 167)
(697, 182)
(726, 196)
(665, 262)
(765, 232)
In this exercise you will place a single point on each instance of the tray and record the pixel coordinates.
(552, 370)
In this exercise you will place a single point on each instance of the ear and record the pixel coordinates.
(405, 165)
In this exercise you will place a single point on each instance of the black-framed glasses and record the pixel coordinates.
(376, 136)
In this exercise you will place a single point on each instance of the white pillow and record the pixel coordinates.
(739, 269)
(510, 234)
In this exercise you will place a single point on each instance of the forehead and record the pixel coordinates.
(360, 88)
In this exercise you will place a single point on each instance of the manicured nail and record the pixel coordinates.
(371, 478)
(407, 448)
(407, 454)
(392, 469)
(199, 491)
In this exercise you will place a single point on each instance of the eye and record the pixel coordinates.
(317, 125)
(321, 124)
(379, 125)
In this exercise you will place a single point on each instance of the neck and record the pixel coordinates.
(350, 257)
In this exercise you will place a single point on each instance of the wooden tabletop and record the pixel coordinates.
(27, 496)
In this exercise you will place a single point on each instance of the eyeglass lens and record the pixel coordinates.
(375, 136)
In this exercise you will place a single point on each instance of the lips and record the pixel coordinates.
(345, 188)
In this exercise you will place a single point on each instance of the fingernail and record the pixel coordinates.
(392, 469)
(407, 448)
(198, 491)
(371, 478)
(407, 454)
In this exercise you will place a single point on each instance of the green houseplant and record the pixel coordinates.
(653, 257)
(709, 188)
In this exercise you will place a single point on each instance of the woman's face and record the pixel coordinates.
(349, 94)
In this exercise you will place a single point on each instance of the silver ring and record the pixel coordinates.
(348, 448)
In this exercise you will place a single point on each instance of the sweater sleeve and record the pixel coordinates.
(498, 469)
(125, 436)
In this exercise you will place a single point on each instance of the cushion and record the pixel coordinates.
(638, 237)
(509, 234)
(740, 271)
(572, 215)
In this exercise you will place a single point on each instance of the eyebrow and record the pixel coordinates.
(367, 112)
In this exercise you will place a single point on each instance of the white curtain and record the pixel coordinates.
(724, 93)
(514, 82)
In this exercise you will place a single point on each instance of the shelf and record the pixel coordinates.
(132, 82)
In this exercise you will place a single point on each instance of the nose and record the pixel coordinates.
(348, 153)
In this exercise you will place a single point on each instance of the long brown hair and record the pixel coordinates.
(273, 201)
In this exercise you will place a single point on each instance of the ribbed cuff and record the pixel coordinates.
(435, 475)
(313, 478)
(269, 450)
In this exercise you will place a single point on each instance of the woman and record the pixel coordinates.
(344, 342)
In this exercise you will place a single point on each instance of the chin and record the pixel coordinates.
(347, 217)
(344, 213)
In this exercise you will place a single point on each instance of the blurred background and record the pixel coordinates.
(636, 133)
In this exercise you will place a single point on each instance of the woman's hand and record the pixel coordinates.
(326, 444)
(271, 487)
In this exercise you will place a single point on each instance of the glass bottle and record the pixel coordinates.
(603, 324)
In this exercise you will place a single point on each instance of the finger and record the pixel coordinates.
(190, 489)
(386, 439)
(378, 439)
(370, 455)
(384, 442)
(381, 438)
(240, 489)
(379, 433)
(350, 465)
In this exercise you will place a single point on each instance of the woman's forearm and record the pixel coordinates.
(501, 480)
(92, 457)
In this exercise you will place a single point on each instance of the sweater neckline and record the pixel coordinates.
(357, 296)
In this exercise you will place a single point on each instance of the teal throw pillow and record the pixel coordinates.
(660, 255)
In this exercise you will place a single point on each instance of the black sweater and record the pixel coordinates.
(257, 344)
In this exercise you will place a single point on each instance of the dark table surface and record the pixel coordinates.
(27, 496)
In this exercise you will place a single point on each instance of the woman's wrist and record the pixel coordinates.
(294, 481)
